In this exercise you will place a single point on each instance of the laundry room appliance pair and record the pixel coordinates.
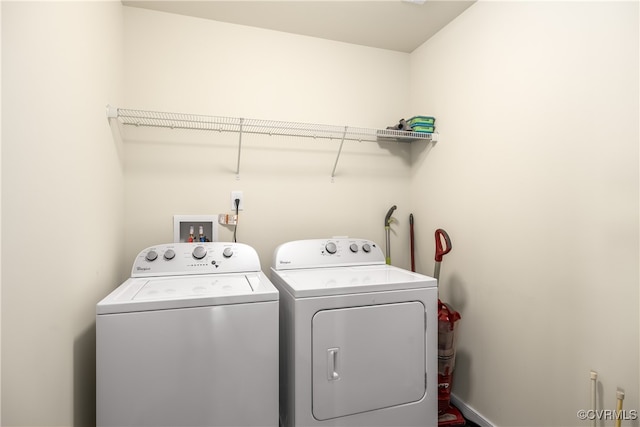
(191, 339)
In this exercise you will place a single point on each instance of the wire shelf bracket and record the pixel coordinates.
(239, 149)
(335, 165)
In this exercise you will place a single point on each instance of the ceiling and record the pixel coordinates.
(400, 25)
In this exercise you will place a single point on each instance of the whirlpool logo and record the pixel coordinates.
(281, 262)
(143, 268)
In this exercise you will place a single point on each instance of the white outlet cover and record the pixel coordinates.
(237, 195)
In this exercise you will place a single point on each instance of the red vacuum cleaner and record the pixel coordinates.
(448, 415)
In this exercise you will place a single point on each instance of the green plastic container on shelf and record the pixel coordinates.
(421, 121)
(423, 129)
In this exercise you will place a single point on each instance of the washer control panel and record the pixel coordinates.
(336, 252)
(174, 259)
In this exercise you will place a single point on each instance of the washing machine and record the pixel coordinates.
(358, 338)
(190, 339)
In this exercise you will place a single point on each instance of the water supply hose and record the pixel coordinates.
(387, 229)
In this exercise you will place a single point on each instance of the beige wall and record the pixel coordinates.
(62, 203)
(214, 68)
(536, 181)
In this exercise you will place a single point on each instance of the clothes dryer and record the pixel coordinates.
(358, 338)
(191, 339)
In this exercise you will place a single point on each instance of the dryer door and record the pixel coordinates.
(367, 358)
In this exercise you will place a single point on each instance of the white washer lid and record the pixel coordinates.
(313, 282)
(163, 293)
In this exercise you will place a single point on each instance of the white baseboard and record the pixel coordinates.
(470, 413)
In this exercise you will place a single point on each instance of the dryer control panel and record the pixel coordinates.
(336, 252)
(195, 258)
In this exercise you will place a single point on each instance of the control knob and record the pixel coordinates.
(199, 252)
(169, 254)
(331, 248)
(151, 255)
(354, 248)
(366, 247)
(227, 253)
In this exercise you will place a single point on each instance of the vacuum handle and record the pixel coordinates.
(440, 249)
(387, 218)
(411, 243)
(387, 229)
(387, 258)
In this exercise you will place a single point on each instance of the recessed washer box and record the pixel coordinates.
(182, 227)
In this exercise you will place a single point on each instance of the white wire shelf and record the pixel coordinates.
(130, 117)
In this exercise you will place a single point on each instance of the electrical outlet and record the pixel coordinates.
(237, 195)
